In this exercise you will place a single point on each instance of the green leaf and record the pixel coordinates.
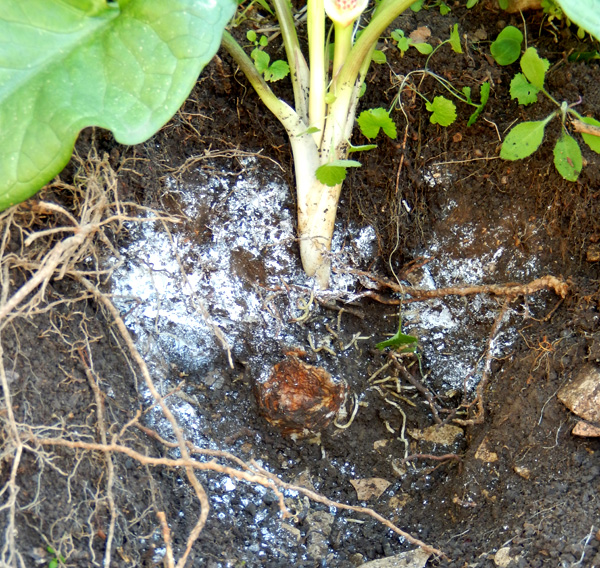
(372, 120)
(584, 13)
(402, 41)
(124, 66)
(507, 47)
(423, 48)
(277, 71)
(334, 173)
(261, 59)
(466, 91)
(471, 3)
(455, 40)
(584, 56)
(592, 141)
(362, 148)
(251, 36)
(534, 67)
(264, 4)
(524, 139)
(444, 8)
(484, 94)
(379, 57)
(522, 90)
(53, 563)
(330, 97)
(443, 111)
(263, 41)
(417, 6)
(503, 4)
(311, 130)
(567, 157)
(400, 341)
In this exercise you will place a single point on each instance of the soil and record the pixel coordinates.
(436, 208)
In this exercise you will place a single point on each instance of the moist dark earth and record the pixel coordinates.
(518, 481)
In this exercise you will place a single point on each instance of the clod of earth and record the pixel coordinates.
(298, 398)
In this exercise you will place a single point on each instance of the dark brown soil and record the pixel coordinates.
(536, 489)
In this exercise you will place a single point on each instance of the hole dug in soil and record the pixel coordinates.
(148, 291)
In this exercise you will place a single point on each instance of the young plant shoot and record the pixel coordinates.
(526, 137)
(321, 122)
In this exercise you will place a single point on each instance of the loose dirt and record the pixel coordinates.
(192, 239)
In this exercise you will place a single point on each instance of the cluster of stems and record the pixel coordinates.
(320, 123)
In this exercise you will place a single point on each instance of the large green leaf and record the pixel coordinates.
(567, 157)
(66, 64)
(524, 139)
(585, 13)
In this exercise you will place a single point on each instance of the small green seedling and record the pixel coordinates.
(262, 61)
(400, 342)
(420, 4)
(403, 42)
(442, 109)
(55, 558)
(507, 47)
(525, 138)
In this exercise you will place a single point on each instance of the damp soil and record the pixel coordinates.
(435, 208)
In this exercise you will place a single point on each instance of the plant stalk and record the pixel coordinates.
(317, 203)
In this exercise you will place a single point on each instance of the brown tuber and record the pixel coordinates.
(299, 399)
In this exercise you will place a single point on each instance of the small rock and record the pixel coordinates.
(523, 472)
(317, 536)
(357, 559)
(445, 435)
(369, 488)
(582, 397)
(295, 532)
(410, 559)
(502, 558)
(483, 453)
(586, 429)
(593, 253)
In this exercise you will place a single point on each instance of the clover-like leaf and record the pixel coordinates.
(522, 90)
(443, 111)
(567, 157)
(277, 71)
(126, 66)
(373, 120)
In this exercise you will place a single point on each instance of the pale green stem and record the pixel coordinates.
(316, 56)
(356, 64)
(341, 48)
(286, 114)
(298, 68)
(384, 15)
